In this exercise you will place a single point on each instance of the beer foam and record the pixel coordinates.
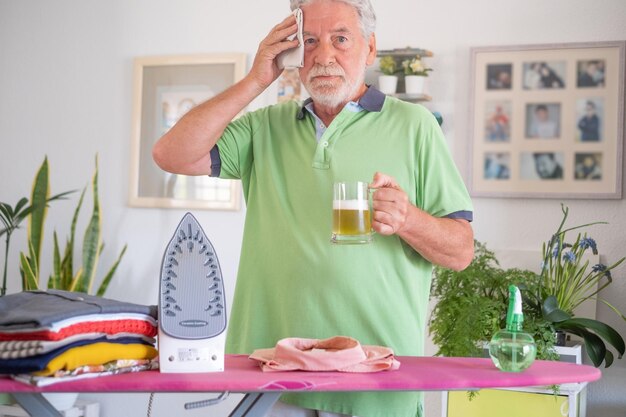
(351, 205)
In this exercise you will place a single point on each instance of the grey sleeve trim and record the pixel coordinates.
(465, 215)
(216, 162)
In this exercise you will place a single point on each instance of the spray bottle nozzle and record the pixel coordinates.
(514, 317)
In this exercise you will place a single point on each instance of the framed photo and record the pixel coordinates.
(165, 88)
(547, 121)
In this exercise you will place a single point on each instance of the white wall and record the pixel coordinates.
(65, 92)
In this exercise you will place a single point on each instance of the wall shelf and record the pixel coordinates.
(401, 54)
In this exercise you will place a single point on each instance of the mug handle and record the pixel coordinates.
(370, 199)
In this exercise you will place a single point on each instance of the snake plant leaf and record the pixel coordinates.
(91, 242)
(39, 197)
(107, 278)
(29, 276)
(68, 269)
(605, 331)
(552, 312)
(55, 279)
(76, 280)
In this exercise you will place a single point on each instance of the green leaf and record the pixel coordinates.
(619, 313)
(603, 330)
(75, 280)
(608, 359)
(39, 197)
(10, 217)
(91, 241)
(551, 311)
(20, 204)
(30, 280)
(596, 349)
(69, 251)
(107, 279)
(6, 211)
(55, 278)
(60, 196)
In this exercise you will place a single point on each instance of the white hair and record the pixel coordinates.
(367, 17)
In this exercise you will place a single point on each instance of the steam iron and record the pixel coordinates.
(192, 307)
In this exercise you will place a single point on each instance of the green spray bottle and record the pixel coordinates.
(511, 349)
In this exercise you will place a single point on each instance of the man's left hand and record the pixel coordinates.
(390, 205)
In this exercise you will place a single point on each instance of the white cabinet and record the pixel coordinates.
(521, 402)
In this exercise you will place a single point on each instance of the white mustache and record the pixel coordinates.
(321, 71)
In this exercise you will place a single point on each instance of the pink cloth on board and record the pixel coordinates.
(339, 353)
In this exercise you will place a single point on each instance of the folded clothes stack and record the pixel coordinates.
(51, 336)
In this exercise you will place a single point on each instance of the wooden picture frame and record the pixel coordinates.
(547, 121)
(165, 88)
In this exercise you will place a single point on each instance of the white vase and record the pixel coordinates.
(414, 84)
(388, 83)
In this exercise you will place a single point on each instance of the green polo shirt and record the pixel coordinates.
(292, 281)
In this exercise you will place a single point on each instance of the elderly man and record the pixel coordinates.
(292, 281)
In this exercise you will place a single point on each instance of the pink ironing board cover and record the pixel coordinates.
(415, 374)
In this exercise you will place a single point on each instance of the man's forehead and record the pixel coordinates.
(339, 29)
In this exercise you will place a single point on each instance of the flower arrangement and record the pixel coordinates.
(565, 275)
(388, 65)
(567, 281)
(415, 66)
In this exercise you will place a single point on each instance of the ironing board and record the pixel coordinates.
(263, 389)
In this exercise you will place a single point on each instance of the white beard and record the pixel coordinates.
(333, 93)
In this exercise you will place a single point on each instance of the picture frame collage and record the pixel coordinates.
(547, 120)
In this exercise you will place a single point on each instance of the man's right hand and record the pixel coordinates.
(186, 147)
(264, 69)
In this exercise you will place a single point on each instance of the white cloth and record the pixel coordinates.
(293, 58)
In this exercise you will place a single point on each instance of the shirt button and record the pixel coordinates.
(325, 144)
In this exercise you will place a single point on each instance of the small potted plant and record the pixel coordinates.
(388, 82)
(414, 73)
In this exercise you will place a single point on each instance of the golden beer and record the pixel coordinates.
(351, 221)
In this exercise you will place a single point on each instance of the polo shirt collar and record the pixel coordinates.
(372, 100)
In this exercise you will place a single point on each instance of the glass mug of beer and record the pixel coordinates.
(352, 215)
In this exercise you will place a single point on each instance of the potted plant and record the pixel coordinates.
(414, 73)
(65, 275)
(34, 210)
(472, 303)
(388, 82)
